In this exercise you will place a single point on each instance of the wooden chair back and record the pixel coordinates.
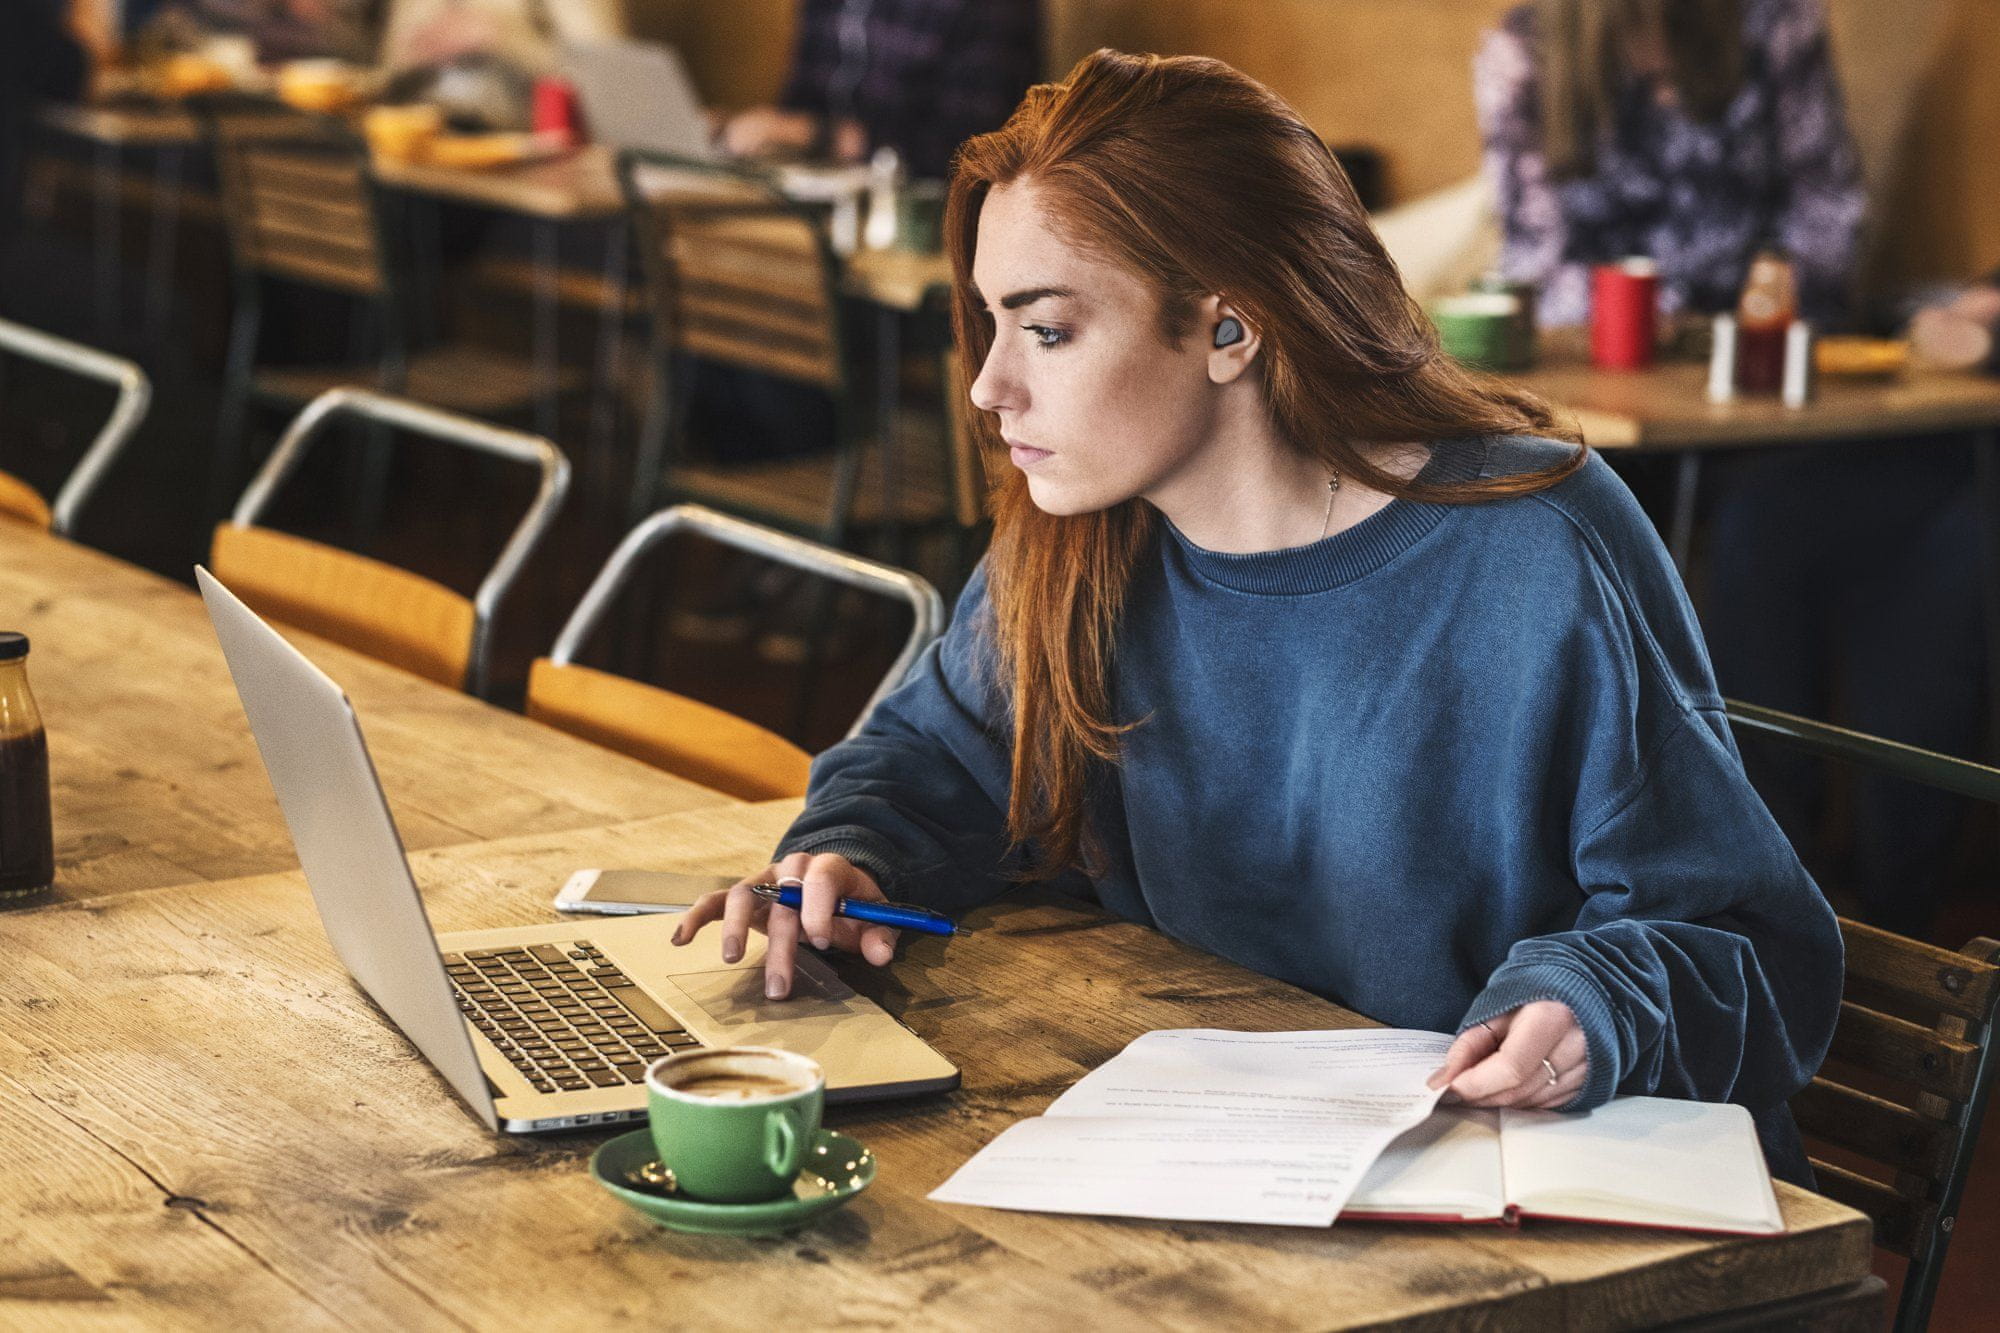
(735, 273)
(667, 730)
(388, 613)
(22, 503)
(1892, 1118)
(298, 202)
(1904, 1089)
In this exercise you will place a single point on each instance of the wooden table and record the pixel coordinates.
(1665, 408)
(211, 1127)
(157, 780)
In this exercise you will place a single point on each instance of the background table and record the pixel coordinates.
(157, 779)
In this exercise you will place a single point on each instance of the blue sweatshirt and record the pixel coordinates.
(1446, 762)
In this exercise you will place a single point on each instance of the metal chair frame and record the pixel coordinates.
(662, 439)
(135, 395)
(1927, 1247)
(450, 428)
(926, 606)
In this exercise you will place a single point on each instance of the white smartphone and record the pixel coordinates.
(630, 892)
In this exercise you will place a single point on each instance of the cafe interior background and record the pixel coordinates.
(1385, 82)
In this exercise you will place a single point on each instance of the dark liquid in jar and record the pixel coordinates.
(27, 852)
(1760, 358)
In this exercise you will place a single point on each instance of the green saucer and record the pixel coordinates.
(837, 1168)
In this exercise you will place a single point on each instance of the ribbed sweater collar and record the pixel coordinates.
(1349, 554)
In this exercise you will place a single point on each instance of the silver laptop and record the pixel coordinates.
(638, 95)
(539, 1027)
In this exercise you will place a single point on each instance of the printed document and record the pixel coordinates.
(1208, 1125)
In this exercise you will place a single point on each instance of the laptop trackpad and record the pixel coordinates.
(736, 995)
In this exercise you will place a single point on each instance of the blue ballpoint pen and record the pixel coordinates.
(786, 894)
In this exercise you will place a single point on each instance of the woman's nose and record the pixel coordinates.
(994, 388)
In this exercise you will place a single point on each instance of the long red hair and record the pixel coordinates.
(1201, 181)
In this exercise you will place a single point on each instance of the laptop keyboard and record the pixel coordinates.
(563, 1016)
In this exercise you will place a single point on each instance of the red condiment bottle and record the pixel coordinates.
(1766, 309)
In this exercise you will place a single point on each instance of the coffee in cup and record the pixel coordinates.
(734, 1125)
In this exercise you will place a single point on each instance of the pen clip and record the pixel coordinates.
(768, 892)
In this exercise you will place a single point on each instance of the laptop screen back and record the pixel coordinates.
(638, 95)
(347, 843)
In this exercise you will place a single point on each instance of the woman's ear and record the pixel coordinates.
(1232, 341)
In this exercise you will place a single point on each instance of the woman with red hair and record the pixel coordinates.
(1302, 646)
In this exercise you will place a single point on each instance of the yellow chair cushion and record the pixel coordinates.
(388, 613)
(19, 500)
(667, 730)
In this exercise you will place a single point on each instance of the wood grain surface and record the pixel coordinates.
(156, 777)
(211, 1127)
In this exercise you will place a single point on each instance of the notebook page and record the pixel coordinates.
(1648, 1160)
(1449, 1164)
(1213, 1126)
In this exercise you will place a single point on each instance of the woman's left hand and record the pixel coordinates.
(1499, 1062)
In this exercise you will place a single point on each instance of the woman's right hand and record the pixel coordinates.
(825, 880)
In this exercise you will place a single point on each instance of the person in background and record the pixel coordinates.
(1690, 131)
(523, 33)
(283, 29)
(921, 76)
(1841, 579)
(40, 61)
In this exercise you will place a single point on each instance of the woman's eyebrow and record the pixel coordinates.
(1015, 300)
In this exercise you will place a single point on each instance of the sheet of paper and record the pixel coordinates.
(1448, 1164)
(1206, 1125)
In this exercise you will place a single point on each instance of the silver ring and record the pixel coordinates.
(1552, 1071)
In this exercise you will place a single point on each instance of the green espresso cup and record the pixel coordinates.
(734, 1125)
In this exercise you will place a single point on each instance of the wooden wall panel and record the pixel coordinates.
(1395, 74)
(737, 50)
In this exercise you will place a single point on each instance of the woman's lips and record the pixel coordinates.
(1024, 455)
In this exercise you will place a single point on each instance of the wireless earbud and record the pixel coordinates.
(1229, 332)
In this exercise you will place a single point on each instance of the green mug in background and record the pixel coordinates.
(734, 1125)
(1481, 330)
(920, 217)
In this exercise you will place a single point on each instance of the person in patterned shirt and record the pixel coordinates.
(1692, 132)
(921, 76)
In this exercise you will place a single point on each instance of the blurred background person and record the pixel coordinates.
(478, 59)
(1842, 582)
(920, 76)
(41, 60)
(1693, 132)
(279, 29)
(524, 33)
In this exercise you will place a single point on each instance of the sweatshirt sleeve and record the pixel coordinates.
(1704, 963)
(919, 797)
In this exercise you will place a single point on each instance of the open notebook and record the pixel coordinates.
(1298, 1128)
(1637, 1161)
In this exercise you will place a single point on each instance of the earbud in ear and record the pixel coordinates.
(1229, 332)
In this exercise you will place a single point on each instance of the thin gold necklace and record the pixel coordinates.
(1332, 488)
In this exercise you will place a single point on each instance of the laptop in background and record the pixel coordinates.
(537, 1028)
(639, 95)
